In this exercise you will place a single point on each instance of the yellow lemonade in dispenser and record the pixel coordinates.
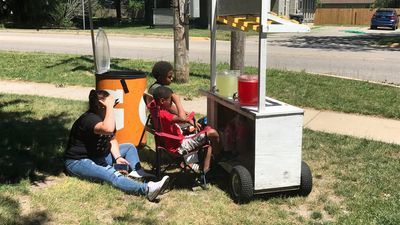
(227, 82)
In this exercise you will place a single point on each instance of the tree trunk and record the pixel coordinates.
(117, 5)
(148, 12)
(181, 58)
(238, 41)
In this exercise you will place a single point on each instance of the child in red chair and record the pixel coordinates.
(163, 72)
(183, 144)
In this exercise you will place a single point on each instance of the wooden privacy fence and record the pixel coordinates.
(344, 16)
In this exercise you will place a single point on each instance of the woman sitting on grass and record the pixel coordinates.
(92, 149)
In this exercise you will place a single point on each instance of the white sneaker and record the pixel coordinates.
(196, 167)
(155, 188)
(140, 173)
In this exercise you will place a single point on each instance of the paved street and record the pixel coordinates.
(333, 51)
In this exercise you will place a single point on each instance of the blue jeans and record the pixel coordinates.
(130, 153)
(101, 169)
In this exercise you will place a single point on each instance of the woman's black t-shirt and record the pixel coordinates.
(83, 142)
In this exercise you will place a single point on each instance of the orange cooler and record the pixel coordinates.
(130, 114)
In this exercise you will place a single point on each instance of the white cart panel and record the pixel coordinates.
(278, 151)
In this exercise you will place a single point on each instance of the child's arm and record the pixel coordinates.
(179, 108)
(185, 119)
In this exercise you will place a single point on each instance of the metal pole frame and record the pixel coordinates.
(213, 45)
(262, 53)
(265, 7)
(92, 35)
(186, 21)
(83, 14)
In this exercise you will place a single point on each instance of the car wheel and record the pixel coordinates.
(373, 27)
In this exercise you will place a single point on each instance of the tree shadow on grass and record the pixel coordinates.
(30, 147)
(197, 75)
(129, 219)
(364, 42)
(12, 213)
(82, 63)
(85, 64)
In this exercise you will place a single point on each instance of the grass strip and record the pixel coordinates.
(222, 34)
(297, 88)
(389, 41)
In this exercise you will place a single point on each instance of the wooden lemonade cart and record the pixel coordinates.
(266, 138)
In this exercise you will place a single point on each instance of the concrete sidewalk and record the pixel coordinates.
(380, 129)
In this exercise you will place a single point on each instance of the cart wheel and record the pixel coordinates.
(241, 184)
(305, 180)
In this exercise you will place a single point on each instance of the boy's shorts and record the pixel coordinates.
(191, 144)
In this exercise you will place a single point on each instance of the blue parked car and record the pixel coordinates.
(385, 18)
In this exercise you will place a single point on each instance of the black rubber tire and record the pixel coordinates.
(305, 180)
(241, 184)
(373, 27)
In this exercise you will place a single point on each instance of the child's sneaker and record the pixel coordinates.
(195, 167)
(155, 188)
(140, 173)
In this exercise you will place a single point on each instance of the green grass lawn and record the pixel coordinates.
(222, 34)
(146, 31)
(355, 180)
(388, 40)
(297, 88)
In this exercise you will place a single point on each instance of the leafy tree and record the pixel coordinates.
(386, 4)
(4, 9)
(63, 12)
(39, 13)
(30, 13)
(134, 6)
(113, 4)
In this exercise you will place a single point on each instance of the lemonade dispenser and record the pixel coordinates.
(227, 82)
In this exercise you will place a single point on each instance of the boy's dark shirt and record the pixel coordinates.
(83, 142)
(153, 87)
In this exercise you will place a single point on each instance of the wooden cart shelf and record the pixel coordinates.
(244, 23)
(251, 22)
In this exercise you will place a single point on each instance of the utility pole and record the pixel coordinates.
(181, 57)
(92, 34)
(83, 14)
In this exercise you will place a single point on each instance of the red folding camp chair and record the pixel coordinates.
(182, 161)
